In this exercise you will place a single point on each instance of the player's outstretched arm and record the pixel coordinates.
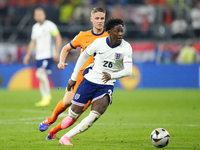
(81, 60)
(64, 52)
(127, 71)
(123, 73)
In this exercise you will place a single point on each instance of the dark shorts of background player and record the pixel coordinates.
(91, 91)
(45, 64)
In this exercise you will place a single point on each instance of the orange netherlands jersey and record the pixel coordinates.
(83, 40)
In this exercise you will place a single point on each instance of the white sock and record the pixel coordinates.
(85, 124)
(43, 82)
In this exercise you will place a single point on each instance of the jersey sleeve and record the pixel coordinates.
(128, 54)
(53, 28)
(81, 60)
(33, 36)
(76, 42)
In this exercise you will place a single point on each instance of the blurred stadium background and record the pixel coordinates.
(157, 30)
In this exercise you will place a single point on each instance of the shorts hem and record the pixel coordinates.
(78, 104)
(96, 98)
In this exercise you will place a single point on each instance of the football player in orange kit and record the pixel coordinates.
(82, 40)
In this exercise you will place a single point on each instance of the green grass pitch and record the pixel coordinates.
(126, 125)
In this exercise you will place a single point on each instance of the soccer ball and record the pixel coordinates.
(160, 137)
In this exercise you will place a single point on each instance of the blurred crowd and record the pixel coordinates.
(143, 18)
(146, 20)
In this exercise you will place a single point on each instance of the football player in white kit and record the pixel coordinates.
(41, 39)
(110, 54)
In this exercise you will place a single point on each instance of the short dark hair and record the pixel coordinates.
(98, 9)
(113, 22)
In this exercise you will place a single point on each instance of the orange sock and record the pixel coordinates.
(56, 128)
(58, 110)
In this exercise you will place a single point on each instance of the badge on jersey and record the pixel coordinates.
(118, 56)
(77, 96)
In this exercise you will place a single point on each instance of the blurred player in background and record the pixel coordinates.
(82, 40)
(97, 85)
(41, 39)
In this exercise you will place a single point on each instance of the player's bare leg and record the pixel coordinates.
(98, 108)
(62, 105)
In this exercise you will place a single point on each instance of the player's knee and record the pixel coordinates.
(72, 114)
(40, 73)
(37, 73)
(101, 104)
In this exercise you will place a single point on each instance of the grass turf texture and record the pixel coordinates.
(126, 125)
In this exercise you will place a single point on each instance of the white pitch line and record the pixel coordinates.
(26, 119)
(145, 124)
(27, 110)
(102, 124)
(34, 120)
(6, 121)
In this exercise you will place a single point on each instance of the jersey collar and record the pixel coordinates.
(97, 34)
(107, 41)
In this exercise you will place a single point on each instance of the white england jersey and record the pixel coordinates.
(107, 59)
(42, 34)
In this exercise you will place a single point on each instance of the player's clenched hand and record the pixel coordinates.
(71, 84)
(106, 77)
(62, 65)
